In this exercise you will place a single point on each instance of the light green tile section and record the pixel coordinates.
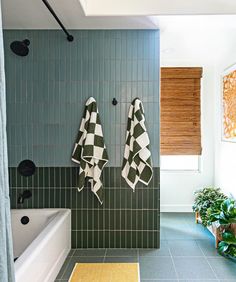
(46, 90)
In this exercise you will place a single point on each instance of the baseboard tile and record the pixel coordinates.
(176, 208)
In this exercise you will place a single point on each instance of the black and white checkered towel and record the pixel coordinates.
(90, 151)
(137, 165)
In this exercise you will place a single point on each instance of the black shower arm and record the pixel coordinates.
(69, 36)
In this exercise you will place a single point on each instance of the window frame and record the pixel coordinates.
(198, 170)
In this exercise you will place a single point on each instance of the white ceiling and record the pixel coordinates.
(32, 14)
(158, 7)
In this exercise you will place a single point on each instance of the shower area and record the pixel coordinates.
(48, 80)
(46, 91)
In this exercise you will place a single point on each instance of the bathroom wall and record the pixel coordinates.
(177, 187)
(46, 92)
(225, 152)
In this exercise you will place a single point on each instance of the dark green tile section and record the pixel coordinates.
(127, 219)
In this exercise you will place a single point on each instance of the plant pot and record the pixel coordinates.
(216, 231)
(233, 228)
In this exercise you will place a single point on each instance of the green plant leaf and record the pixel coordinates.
(223, 219)
(231, 251)
(223, 247)
(227, 214)
(225, 205)
(229, 237)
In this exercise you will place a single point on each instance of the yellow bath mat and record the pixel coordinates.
(105, 272)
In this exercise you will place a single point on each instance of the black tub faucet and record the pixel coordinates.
(25, 195)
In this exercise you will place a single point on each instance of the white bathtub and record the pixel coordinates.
(42, 245)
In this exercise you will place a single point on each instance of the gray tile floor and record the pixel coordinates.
(187, 254)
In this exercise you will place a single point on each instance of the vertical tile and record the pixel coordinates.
(43, 121)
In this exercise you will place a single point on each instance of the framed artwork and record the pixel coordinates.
(229, 104)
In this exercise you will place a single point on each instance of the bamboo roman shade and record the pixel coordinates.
(180, 111)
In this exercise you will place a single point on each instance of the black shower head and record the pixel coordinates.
(20, 48)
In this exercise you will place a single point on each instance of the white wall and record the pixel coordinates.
(177, 188)
(225, 152)
(192, 46)
(159, 7)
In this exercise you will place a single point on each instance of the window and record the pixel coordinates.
(181, 162)
(180, 112)
(180, 118)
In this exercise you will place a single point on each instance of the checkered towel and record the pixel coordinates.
(137, 156)
(90, 151)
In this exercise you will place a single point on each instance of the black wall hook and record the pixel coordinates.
(114, 102)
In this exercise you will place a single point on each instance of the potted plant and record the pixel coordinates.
(227, 247)
(225, 217)
(204, 199)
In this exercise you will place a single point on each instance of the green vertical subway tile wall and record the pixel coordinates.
(46, 92)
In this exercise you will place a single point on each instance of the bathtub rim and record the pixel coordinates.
(38, 243)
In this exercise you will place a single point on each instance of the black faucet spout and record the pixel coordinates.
(25, 195)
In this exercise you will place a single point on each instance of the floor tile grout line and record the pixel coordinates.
(181, 279)
(218, 279)
(176, 273)
(73, 251)
(104, 258)
(88, 256)
(66, 267)
(174, 256)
